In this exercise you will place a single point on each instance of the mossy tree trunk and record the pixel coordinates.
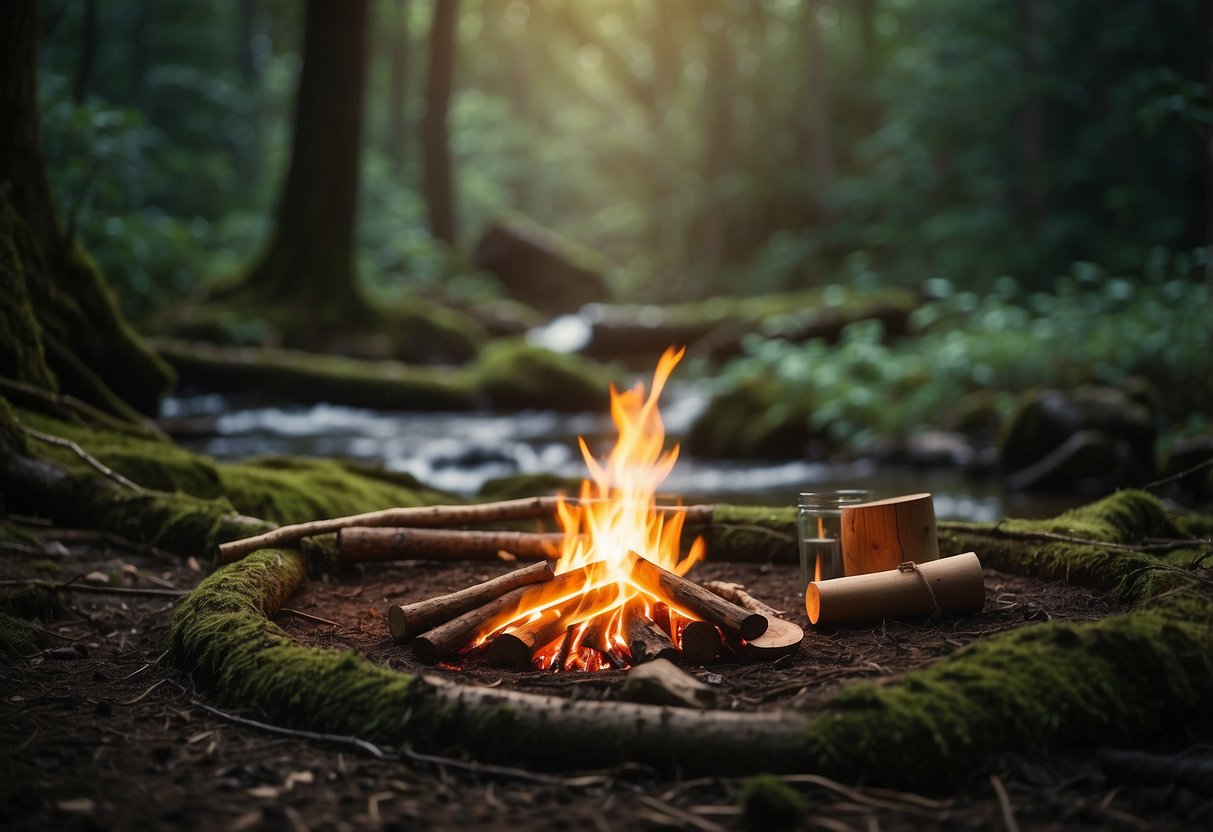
(61, 328)
(436, 174)
(307, 271)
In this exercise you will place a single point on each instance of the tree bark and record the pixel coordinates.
(395, 137)
(821, 162)
(88, 49)
(309, 263)
(437, 182)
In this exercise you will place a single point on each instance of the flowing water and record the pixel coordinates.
(459, 452)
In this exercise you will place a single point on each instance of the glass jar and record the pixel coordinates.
(819, 531)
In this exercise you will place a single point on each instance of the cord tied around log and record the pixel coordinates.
(911, 566)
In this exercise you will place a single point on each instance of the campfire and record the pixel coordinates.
(616, 596)
(610, 588)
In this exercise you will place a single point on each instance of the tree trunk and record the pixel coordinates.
(59, 327)
(88, 49)
(250, 75)
(309, 264)
(436, 175)
(1031, 118)
(395, 137)
(821, 163)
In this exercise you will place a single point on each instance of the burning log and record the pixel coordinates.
(515, 648)
(460, 631)
(707, 605)
(411, 619)
(360, 544)
(646, 641)
(701, 643)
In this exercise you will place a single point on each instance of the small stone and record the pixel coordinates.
(659, 682)
(77, 805)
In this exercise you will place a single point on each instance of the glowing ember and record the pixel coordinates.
(616, 514)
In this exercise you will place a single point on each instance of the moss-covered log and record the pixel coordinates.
(1036, 689)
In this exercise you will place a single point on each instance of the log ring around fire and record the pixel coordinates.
(1036, 688)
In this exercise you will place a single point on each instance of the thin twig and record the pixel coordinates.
(1004, 800)
(307, 616)
(333, 739)
(887, 800)
(1179, 476)
(503, 771)
(80, 452)
(70, 586)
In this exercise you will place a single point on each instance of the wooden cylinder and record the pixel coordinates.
(780, 639)
(879, 535)
(691, 596)
(955, 585)
(408, 620)
(363, 544)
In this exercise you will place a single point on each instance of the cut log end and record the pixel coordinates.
(397, 622)
(510, 652)
(753, 626)
(701, 643)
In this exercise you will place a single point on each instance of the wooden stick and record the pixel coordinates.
(431, 517)
(651, 578)
(515, 648)
(701, 643)
(412, 619)
(460, 631)
(646, 641)
(363, 544)
(422, 516)
(879, 535)
(566, 644)
(952, 584)
(737, 594)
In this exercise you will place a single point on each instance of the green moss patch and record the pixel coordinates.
(515, 375)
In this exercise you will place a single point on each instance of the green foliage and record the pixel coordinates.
(1092, 329)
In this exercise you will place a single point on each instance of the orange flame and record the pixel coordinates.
(616, 513)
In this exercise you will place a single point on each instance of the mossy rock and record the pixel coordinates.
(313, 377)
(756, 419)
(518, 486)
(514, 375)
(539, 267)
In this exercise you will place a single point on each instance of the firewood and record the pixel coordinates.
(952, 584)
(691, 596)
(412, 619)
(879, 535)
(661, 617)
(646, 641)
(360, 544)
(566, 645)
(514, 648)
(460, 631)
(661, 683)
(443, 516)
(738, 595)
(780, 639)
(422, 516)
(701, 643)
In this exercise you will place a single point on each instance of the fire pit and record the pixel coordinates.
(617, 594)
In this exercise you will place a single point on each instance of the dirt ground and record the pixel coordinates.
(94, 734)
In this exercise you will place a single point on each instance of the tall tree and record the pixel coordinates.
(308, 267)
(395, 137)
(59, 327)
(437, 182)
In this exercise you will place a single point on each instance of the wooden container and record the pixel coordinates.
(877, 536)
(952, 584)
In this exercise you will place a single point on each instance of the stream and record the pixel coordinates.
(459, 452)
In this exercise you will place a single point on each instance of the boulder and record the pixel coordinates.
(539, 267)
(1091, 439)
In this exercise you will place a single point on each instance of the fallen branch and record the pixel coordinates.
(443, 516)
(332, 739)
(362, 544)
(87, 457)
(103, 590)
